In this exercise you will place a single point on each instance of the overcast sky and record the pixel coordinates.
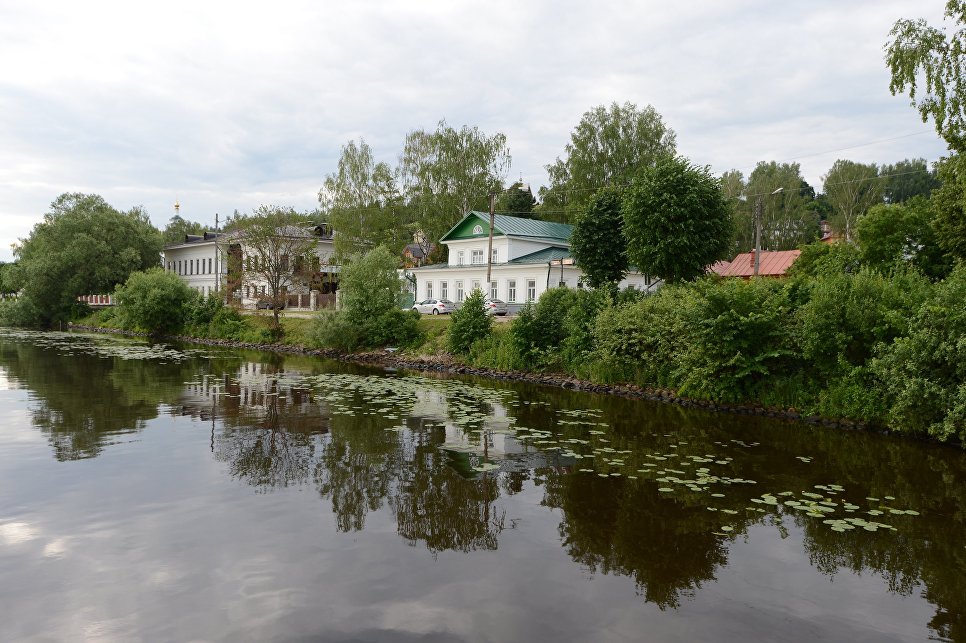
(225, 106)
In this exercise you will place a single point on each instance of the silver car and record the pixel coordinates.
(435, 306)
(494, 306)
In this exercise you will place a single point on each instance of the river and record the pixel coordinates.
(175, 493)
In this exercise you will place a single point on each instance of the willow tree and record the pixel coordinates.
(851, 189)
(363, 203)
(929, 64)
(448, 172)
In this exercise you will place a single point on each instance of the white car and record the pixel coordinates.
(434, 307)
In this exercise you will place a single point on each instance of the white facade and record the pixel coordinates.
(201, 263)
(198, 262)
(522, 269)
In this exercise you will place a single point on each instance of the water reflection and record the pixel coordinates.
(447, 459)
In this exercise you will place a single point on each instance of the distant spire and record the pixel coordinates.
(177, 208)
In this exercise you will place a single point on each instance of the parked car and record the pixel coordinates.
(494, 306)
(435, 306)
(266, 304)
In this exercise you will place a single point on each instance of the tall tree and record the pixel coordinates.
(851, 188)
(82, 246)
(597, 240)
(448, 172)
(676, 220)
(517, 201)
(363, 203)
(930, 64)
(787, 222)
(277, 248)
(608, 147)
(907, 179)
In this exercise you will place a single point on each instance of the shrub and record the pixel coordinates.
(924, 373)
(737, 336)
(370, 315)
(154, 300)
(470, 323)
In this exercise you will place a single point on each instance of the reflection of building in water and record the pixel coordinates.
(254, 394)
(481, 429)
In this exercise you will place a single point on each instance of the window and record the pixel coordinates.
(495, 255)
(477, 229)
(511, 290)
(429, 290)
(477, 257)
(531, 289)
(493, 290)
(443, 290)
(459, 290)
(179, 266)
(475, 285)
(191, 266)
(460, 258)
(209, 265)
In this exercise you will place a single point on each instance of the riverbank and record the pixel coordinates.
(446, 364)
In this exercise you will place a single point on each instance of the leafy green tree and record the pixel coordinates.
(517, 201)
(470, 323)
(676, 220)
(363, 203)
(370, 314)
(448, 172)
(949, 205)
(178, 228)
(819, 259)
(154, 300)
(851, 188)
(895, 235)
(907, 179)
(275, 241)
(931, 64)
(597, 240)
(7, 286)
(608, 147)
(82, 246)
(786, 221)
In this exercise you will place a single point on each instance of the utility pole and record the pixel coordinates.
(489, 259)
(758, 209)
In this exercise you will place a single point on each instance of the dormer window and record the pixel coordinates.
(477, 229)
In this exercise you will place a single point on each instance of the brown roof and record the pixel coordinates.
(771, 264)
(718, 267)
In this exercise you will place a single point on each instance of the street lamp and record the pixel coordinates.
(758, 212)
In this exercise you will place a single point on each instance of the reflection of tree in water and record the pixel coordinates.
(921, 555)
(617, 526)
(435, 504)
(270, 432)
(83, 401)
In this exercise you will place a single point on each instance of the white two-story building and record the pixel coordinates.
(528, 258)
(218, 262)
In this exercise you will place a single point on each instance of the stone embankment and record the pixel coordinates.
(446, 364)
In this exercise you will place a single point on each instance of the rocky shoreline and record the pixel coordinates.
(445, 364)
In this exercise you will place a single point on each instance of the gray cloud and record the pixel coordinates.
(223, 106)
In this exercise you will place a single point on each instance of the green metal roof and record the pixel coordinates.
(511, 227)
(543, 256)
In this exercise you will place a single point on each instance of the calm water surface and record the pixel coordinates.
(159, 493)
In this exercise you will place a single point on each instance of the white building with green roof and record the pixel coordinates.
(529, 257)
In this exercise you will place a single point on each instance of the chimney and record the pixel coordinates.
(751, 261)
